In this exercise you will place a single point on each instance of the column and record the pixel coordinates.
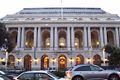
(39, 37)
(117, 36)
(68, 38)
(101, 37)
(51, 38)
(23, 38)
(89, 38)
(85, 38)
(56, 38)
(18, 38)
(35, 36)
(72, 37)
(105, 35)
(7, 29)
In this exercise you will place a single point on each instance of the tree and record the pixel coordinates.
(114, 54)
(5, 39)
(109, 48)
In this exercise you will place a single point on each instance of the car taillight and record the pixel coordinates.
(69, 73)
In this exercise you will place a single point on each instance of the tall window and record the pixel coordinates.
(95, 39)
(62, 39)
(29, 39)
(78, 39)
(110, 37)
(45, 39)
(14, 38)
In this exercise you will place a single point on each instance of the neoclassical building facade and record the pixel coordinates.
(60, 37)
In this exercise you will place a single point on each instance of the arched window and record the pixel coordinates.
(62, 62)
(29, 39)
(44, 62)
(110, 37)
(95, 39)
(45, 39)
(62, 39)
(14, 38)
(78, 39)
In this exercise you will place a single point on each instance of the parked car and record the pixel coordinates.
(4, 77)
(37, 75)
(90, 71)
(1, 72)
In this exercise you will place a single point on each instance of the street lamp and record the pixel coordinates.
(6, 59)
(88, 60)
(104, 56)
(6, 53)
(53, 61)
(71, 61)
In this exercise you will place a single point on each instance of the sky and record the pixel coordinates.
(13, 6)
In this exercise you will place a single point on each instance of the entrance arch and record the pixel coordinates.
(11, 61)
(79, 59)
(97, 60)
(44, 62)
(27, 62)
(62, 62)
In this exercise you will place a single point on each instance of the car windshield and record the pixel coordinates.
(53, 75)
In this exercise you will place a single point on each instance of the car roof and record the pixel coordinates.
(84, 65)
(39, 71)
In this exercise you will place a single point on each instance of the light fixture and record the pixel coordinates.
(62, 44)
(53, 60)
(97, 43)
(26, 43)
(71, 59)
(48, 44)
(89, 60)
(76, 44)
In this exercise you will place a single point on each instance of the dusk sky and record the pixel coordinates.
(13, 6)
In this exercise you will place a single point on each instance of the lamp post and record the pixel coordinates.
(71, 61)
(6, 53)
(6, 60)
(104, 57)
(53, 62)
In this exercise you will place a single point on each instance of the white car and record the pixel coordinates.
(37, 75)
(1, 72)
(91, 72)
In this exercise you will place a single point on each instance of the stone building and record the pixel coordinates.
(60, 37)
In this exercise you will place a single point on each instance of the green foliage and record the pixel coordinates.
(109, 48)
(114, 54)
(5, 39)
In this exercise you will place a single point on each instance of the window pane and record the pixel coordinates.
(83, 68)
(27, 76)
(43, 76)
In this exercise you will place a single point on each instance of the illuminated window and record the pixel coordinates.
(62, 42)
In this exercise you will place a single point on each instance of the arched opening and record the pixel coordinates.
(27, 62)
(97, 60)
(62, 39)
(14, 38)
(95, 39)
(29, 39)
(11, 61)
(110, 37)
(44, 62)
(45, 39)
(78, 39)
(62, 62)
(79, 59)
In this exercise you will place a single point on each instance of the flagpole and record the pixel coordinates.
(61, 10)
